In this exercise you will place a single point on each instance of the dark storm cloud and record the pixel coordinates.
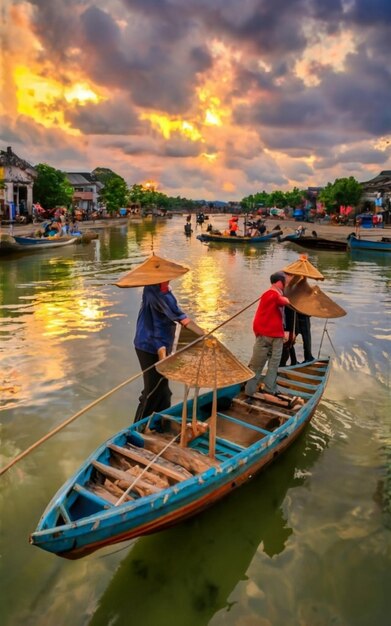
(57, 24)
(38, 144)
(111, 117)
(175, 178)
(157, 75)
(264, 171)
(354, 157)
(175, 147)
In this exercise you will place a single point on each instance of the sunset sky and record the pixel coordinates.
(212, 99)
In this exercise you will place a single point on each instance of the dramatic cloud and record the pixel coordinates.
(212, 99)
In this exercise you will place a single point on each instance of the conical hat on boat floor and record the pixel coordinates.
(312, 300)
(207, 363)
(153, 271)
(303, 267)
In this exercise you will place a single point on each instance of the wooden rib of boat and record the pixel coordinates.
(379, 245)
(141, 480)
(238, 239)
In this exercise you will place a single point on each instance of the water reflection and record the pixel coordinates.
(66, 338)
(208, 555)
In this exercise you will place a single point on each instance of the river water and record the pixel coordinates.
(306, 543)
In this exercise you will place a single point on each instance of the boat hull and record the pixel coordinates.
(383, 245)
(206, 237)
(26, 245)
(320, 243)
(155, 512)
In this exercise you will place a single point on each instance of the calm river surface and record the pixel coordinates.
(306, 543)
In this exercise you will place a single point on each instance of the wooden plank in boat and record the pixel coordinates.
(296, 385)
(189, 459)
(124, 477)
(267, 411)
(118, 461)
(144, 457)
(304, 376)
(105, 494)
(112, 488)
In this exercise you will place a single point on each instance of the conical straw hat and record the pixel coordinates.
(303, 267)
(312, 300)
(153, 271)
(206, 364)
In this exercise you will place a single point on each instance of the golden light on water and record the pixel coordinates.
(205, 286)
(66, 318)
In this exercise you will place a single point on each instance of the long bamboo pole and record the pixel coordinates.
(71, 419)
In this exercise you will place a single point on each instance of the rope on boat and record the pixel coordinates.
(71, 419)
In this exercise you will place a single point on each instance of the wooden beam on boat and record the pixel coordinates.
(144, 457)
(296, 385)
(116, 474)
(105, 494)
(150, 476)
(189, 459)
(268, 412)
(113, 489)
(295, 375)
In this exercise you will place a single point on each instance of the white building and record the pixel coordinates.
(17, 180)
(86, 190)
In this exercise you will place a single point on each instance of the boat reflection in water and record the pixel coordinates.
(186, 574)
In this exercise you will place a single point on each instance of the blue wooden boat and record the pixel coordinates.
(41, 243)
(379, 245)
(141, 480)
(25, 245)
(239, 239)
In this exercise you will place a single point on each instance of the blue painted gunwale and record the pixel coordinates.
(238, 239)
(157, 511)
(366, 244)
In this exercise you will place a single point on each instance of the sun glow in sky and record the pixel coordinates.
(43, 98)
(250, 96)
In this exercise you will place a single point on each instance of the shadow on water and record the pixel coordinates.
(186, 574)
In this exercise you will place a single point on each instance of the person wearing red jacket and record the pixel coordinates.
(268, 326)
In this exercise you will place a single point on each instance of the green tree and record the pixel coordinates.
(342, 191)
(115, 194)
(278, 198)
(51, 187)
(295, 197)
(103, 174)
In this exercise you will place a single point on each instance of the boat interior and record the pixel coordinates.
(147, 457)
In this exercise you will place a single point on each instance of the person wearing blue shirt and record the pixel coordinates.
(153, 341)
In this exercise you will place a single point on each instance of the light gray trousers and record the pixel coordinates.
(266, 350)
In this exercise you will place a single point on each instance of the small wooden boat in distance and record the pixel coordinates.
(239, 239)
(316, 243)
(379, 245)
(17, 244)
(142, 480)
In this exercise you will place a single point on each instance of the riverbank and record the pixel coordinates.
(329, 231)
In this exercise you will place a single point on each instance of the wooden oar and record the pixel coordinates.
(71, 419)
